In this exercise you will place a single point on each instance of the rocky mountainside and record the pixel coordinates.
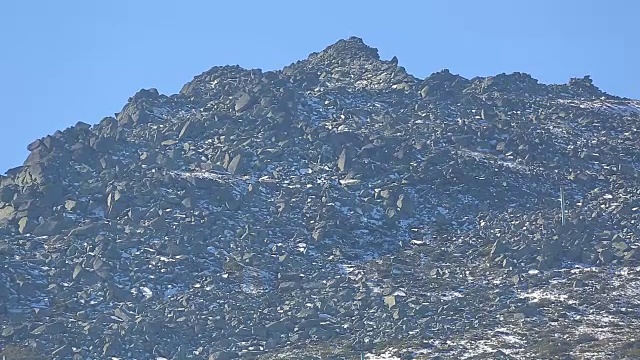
(336, 208)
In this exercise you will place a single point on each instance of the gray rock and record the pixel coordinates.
(234, 164)
(343, 161)
(7, 193)
(50, 227)
(498, 248)
(78, 272)
(70, 205)
(122, 314)
(277, 327)
(260, 332)
(288, 286)
(62, 352)
(169, 142)
(40, 330)
(620, 246)
(605, 256)
(390, 301)
(223, 355)
(34, 145)
(8, 331)
(112, 347)
(186, 130)
(7, 214)
(116, 203)
(290, 277)
(117, 293)
(26, 225)
(180, 353)
(86, 230)
(244, 102)
(184, 226)
(6, 249)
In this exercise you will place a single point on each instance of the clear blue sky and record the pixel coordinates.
(79, 60)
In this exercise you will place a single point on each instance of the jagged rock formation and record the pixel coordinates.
(335, 207)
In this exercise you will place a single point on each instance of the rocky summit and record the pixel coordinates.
(339, 208)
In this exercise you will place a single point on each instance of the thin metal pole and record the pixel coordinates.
(562, 205)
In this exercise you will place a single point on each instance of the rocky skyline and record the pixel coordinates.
(334, 208)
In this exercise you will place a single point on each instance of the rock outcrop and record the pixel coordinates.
(336, 207)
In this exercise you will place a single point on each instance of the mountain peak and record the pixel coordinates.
(352, 63)
(350, 49)
(219, 212)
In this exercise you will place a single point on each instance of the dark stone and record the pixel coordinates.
(26, 225)
(234, 164)
(51, 226)
(244, 102)
(223, 355)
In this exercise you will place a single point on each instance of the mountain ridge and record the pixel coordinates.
(338, 201)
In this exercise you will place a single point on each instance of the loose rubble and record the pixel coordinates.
(339, 207)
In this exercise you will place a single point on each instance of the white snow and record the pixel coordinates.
(388, 355)
(537, 295)
(399, 293)
(450, 295)
(146, 292)
(625, 107)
